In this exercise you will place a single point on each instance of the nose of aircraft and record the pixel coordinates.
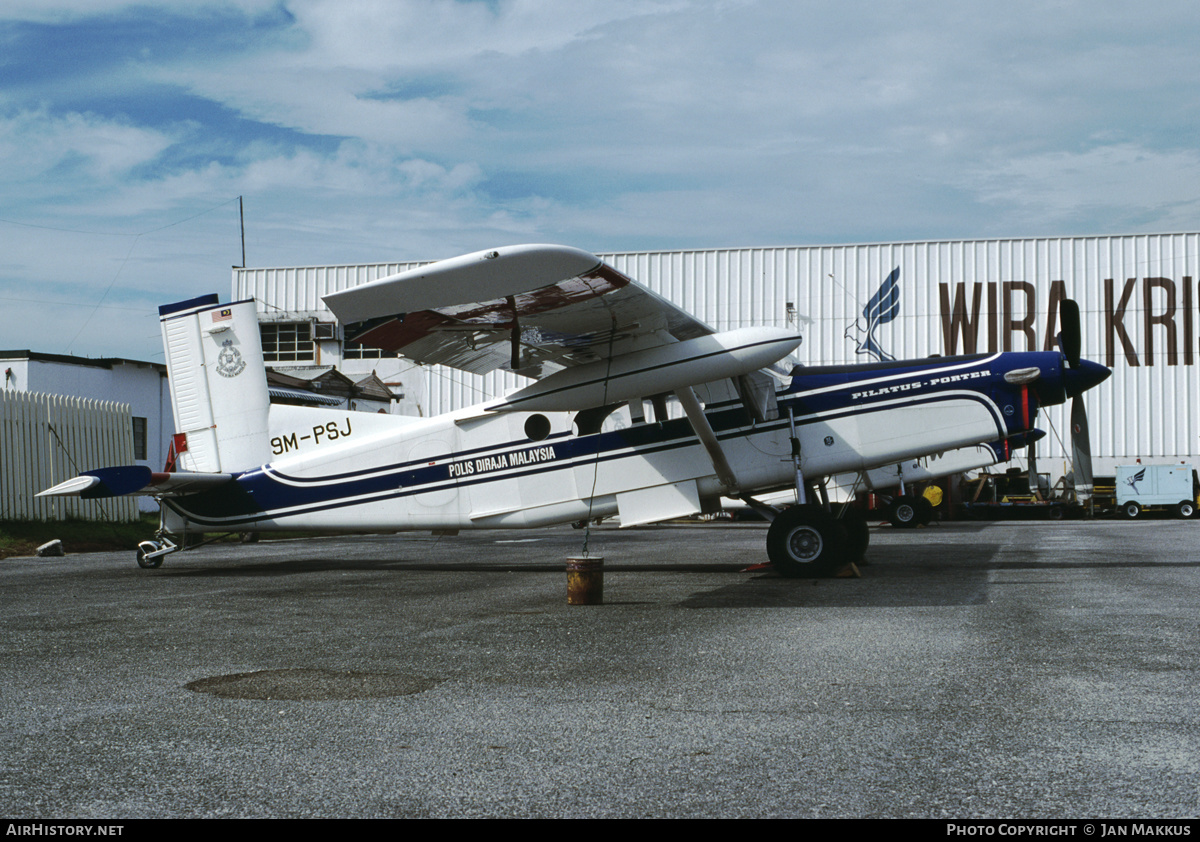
(1084, 376)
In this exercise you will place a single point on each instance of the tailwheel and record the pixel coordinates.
(150, 553)
(806, 541)
(144, 557)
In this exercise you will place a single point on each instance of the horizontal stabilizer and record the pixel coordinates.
(134, 479)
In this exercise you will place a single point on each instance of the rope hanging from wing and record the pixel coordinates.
(587, 527)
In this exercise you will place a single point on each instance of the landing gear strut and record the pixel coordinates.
(808, 539)
(150, 553)
(804, 540)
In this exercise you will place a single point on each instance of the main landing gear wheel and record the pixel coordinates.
(858, 534)
(806, 541)
(143, 550)
(924, 511)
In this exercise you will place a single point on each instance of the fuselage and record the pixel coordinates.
(481, 469)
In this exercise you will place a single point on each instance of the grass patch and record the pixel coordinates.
(23, 537)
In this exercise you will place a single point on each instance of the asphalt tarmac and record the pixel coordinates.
(1031, 670)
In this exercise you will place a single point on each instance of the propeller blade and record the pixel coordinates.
(1027, 419)
(1070, 336)
(1031, 455)
(1081, 450)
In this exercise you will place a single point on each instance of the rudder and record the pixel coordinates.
(218, 383)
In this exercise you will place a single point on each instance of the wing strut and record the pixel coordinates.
(515, 336)
(704, 432)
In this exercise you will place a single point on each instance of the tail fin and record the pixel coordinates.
(218, 384)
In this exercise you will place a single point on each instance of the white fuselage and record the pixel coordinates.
(475, 469)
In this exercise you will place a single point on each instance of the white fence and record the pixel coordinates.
(45, 439)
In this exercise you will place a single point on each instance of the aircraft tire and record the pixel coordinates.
(1131, 510)
(1185, 509)
(858, 534)
(924, 511)
(148, 563)
(903, 513)
(806, 542)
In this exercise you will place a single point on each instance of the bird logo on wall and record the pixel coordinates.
(883, 307)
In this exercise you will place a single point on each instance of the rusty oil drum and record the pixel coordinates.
(585, 580)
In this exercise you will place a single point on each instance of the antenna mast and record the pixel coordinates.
(242, 225)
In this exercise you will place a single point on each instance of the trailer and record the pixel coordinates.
(1174, 488)
(1012, 496)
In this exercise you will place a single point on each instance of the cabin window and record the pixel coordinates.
(589, 421)
(537, 427)
(287, 342)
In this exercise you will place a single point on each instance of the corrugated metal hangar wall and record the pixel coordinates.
(1138, 296)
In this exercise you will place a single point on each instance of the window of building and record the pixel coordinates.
(354, 351)
(139, 438)
(287, 342)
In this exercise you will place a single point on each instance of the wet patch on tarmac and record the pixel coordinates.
(312, 685)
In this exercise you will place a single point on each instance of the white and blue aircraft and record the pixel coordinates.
(594, 341)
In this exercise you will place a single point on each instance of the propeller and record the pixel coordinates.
(1078, 376)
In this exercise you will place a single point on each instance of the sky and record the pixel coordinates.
(395, 130)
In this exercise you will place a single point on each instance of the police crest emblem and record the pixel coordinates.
(229, 361)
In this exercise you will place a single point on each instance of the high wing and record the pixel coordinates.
(532, 309)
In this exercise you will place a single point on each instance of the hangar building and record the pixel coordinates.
(1138, 296)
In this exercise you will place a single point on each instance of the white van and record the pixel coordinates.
(1175, 487)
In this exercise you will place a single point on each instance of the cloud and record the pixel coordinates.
(362, 131)
(46, 156)
(64, 11)
(386, 37)
(413, 75)
(1125, 182)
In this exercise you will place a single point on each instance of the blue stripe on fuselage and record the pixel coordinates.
(814, 396)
